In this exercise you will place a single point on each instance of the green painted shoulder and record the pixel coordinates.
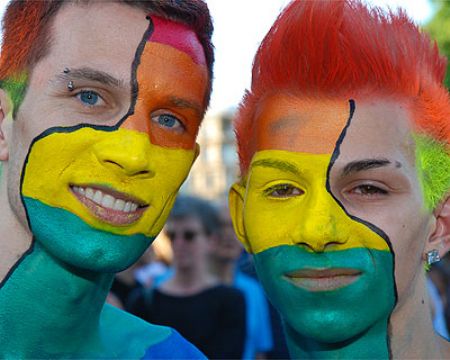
(129, 335)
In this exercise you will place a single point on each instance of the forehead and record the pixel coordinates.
(101, 35)
(287, 122)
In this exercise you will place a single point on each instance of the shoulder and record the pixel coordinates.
(173, 347)
(123, 328)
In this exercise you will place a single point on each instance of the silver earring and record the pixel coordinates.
(433, 256)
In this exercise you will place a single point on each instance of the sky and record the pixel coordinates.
(240, 25)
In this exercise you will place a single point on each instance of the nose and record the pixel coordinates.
(126, 152)
(320, 223)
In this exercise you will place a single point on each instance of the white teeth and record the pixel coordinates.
(119, 205)
(90, 193)
(98, 197)
(106, 200)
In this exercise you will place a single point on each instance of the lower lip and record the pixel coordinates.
(323, 283)
(110, 216)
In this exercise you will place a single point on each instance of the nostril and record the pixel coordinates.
(130, 170)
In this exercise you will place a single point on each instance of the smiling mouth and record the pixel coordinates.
(323, 279)
(110, 206)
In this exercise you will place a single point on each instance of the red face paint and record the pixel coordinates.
(179, 36)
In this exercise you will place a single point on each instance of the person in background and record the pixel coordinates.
(224, 254)
(192, 300)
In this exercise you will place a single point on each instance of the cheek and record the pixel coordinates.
(408, 233)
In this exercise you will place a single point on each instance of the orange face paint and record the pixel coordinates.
(171, 81)
(283, 120)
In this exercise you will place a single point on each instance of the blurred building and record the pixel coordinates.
(216, 168)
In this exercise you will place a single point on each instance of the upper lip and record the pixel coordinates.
(115, 193)
(323, 273)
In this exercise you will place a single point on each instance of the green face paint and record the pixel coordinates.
(335, 316)
(433, 163)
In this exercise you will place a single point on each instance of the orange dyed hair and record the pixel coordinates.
(344, 49)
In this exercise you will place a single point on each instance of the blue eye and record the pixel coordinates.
(168, 121)
(88, 97)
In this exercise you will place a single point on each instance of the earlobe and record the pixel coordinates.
(440, 238)
(236, 205)
(4, 110)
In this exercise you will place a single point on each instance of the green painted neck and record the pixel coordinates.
(43, 301)
(373, 344)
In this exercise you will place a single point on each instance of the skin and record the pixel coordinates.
(74, 244)
(351, 203)
(189, 258)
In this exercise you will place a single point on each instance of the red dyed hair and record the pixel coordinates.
(342, 48)
(26, 35)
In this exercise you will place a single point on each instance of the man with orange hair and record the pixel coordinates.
(100, 107)
(344, 191)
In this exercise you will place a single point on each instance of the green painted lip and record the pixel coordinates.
(323, 279)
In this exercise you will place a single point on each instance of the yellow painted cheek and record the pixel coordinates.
(123, 160)
(314, 219)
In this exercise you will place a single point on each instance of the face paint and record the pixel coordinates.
(110, 183)
(324, 217)
(96, 187)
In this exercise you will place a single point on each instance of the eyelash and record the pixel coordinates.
(80, 93)
(156, 117)
(283, 187)
(369, 191)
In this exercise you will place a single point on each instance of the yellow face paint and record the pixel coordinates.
(123, 161)
(292, 185)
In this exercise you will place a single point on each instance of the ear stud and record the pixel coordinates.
(433, 256)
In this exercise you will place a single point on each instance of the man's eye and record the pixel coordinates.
(89, 97)
(283, 191)
(368, 191)
(168, 121)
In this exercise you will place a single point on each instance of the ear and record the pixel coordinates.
(236, 205)
(440, 238)
(4, 110)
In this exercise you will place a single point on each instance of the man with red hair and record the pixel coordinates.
(344, 191)
(101, 102)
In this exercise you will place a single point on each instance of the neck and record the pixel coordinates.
(223, 270)
(411, 327)
(370, 345)
(66, 301)
(188, 281)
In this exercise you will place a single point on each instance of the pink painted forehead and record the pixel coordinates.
(178, 36)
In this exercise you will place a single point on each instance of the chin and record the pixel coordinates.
(70, 240)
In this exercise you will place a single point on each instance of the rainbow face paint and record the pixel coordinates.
(325, 203)
(113, 179)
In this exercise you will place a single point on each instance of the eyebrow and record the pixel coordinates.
(365, 164)
(87, 73)
(277, 164)
(186, 104)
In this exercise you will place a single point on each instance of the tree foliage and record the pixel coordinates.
(439, 29)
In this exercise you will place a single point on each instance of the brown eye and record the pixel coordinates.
(369, 190)
(283, 191)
